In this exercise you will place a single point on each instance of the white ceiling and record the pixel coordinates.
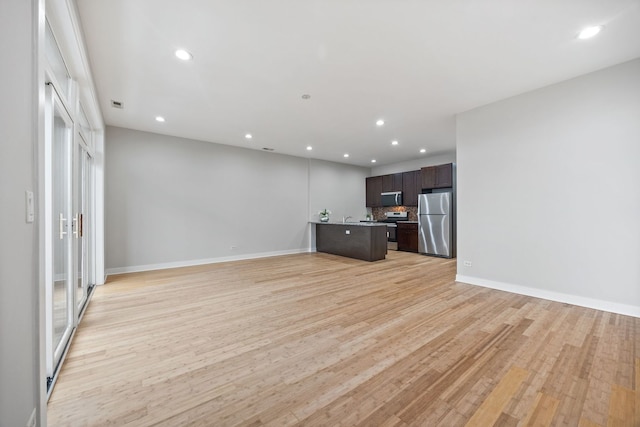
(414, 63)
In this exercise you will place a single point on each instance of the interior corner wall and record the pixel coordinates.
(19, 327)
(548, 193)
(172, 201)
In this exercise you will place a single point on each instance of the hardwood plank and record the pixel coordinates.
(621, 407)
(584, 422)
(542, 411)
(491, 409)
(505, 420)
(317, 339)
(636, 387)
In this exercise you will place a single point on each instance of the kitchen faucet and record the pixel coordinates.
(344, 219)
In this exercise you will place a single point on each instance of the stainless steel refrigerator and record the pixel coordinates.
(435, 228)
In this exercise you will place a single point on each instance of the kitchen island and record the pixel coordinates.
(361, 240)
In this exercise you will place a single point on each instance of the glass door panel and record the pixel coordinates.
(55, 61)
(87, 225)
(59, 291)
(82, 223)
(77, 226)
(61, 232)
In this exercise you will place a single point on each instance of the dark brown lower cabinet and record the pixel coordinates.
(365, 242)
(407, 235)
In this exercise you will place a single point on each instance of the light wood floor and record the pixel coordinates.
(320, 340)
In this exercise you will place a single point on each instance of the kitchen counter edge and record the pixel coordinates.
(357, 224)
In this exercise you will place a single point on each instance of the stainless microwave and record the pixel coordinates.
(392, 198)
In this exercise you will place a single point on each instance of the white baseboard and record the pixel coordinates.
(190, 263)
(613, 307)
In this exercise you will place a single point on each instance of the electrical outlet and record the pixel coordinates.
(468, 263)
(347, 232)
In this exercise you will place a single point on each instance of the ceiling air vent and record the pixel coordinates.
(267, 149)
(117, 104)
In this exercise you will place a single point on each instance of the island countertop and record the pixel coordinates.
(361, 240)
(359, 224)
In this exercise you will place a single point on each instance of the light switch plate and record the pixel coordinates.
(30, 214)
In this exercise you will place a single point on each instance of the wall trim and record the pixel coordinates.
(613, 307)
(191, 263)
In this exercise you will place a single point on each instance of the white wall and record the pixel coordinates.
(173, 201)
(548, 191)
(412, 165)
(19, 361)
(337, 187)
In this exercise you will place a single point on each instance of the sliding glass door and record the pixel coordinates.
(68, 208)
(69, 242)
(59, 286)
(82, 231)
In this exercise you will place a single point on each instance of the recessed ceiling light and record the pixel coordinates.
(589, 32)
(380, 122)
(346, 155)
(184, 55)
(373, 160)
(423, 150)
(309, 148)
(248, 136)
(394, 142)
(160, 119)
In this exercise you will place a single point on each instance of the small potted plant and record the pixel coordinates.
(324, 215)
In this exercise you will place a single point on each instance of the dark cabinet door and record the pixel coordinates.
(392, 182)
(407, 237)
(411, 186)
(387, 183)
(428, 177)
(397, 182)
(440, 176)
(373, 190)
(444, 176)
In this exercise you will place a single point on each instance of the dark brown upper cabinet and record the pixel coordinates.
(373, 190)
(392, 182)
(411, 186)
(410, 183)
(440, 176)
(444, 175)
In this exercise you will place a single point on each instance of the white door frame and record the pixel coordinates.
(53, 105)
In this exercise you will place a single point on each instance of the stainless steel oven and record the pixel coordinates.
(392, 232)
(392, 218)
